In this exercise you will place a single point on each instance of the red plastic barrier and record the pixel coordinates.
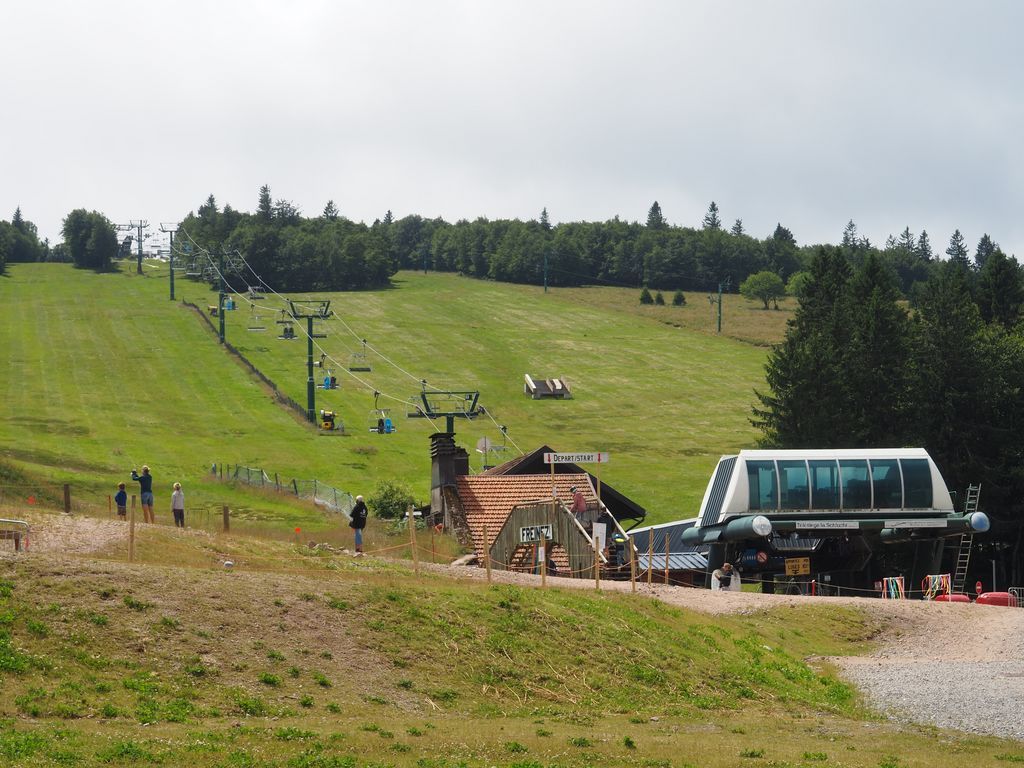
(952, 599)
(997, 598)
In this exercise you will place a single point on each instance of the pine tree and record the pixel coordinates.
(265, 208)
(984, 251)
(330, 210)
(655, 220)
(1000, 293)
(645, 296)
(737, 227)
(18, 222)
(545, 223)
(957, 250)
(679, 299)
(711, 218)
(805, 376)
(659, 299)
(850, 239)
(924, 247)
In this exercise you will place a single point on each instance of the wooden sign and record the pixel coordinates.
(534, 533)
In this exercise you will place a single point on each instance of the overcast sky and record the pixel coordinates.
(889, 113)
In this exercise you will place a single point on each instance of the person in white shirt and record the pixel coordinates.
(178, 506)
(725, 579)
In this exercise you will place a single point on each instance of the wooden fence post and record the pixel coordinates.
(650, 555)
(227, 518)
(486, 554)
(67, 498)
(668, 551)
(412, 541)
(131, 533)
(543, 553)
(632, 564)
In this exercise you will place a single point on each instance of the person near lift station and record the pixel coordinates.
(178, 506)
(145, 481)
(358, 523)
(725, 579)
(121, 500)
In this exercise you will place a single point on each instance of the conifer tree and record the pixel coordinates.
(737, 227)
(957, 250)
(330, 210)
(984, 250)
(655, 219)
(711, 218)
(1000, 291)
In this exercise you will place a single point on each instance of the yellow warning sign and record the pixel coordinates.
(798, 566)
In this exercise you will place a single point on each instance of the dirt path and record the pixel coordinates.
(952, 665)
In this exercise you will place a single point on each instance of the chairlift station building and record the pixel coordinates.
(834, 507)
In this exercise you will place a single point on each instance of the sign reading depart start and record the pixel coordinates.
(576, 458)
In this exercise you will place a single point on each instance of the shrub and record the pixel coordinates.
(678, 299)
(659, 299)
(390, 501)
(645, 297)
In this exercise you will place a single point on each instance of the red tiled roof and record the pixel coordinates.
(488, 499)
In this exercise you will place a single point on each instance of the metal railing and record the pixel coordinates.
(9, 529)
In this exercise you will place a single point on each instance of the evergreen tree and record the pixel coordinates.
(265, 207)
(330, 210)
(1000, 292)
(655, 220)
(806, 392)
(18, 222)
(645, 296)
(711, 218)
(924, 247)
(875, 363)
(545, 223)
(679, 299)
(659, 299)
(850, 239)
(984, 251)
(957, 250)
(737, 227)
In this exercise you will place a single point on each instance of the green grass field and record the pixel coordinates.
(298, 659)
(104, 373)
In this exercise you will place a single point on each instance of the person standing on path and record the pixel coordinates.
(358, 522)
(145, 481)
(725, 579)
(178, 506)
(121, 500)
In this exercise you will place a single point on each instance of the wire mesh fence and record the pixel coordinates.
(325, 496)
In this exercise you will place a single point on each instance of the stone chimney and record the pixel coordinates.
(447, 462)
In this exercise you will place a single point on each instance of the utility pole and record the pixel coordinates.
(712, 300)
(220, 299)
(308, 310)
(170, 229)
(139, 225)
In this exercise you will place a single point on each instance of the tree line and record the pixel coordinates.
(858, 369)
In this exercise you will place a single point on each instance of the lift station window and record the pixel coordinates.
(888, 486)
(793, 485)
(824, 484)
(917, 483)
(856, 483)
(761, 480)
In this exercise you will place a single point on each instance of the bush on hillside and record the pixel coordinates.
(659, 299)
(390, 501)
(679, 300)
(645, 297)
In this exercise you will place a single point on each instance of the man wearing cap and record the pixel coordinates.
(358, 522)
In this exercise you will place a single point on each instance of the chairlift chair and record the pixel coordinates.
(287, 330)
(254, 320)
(380, 419)
(330, 380)
(357, 361)
(255, 294)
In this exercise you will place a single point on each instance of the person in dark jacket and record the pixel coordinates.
(121, 500)
(358, 522)
(145, 481)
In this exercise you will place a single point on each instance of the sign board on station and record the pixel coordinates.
(798, 566)
(594, 457)
(531, 534)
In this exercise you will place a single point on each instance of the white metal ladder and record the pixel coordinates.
(963, 554)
